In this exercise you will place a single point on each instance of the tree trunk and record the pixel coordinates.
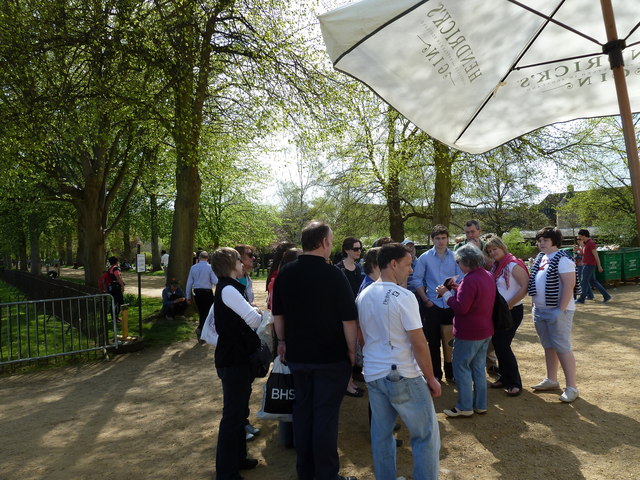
(443, 188)
(392, 187)
(34, 229)
(90, 216)
(60, 250)
(153, 223)
(80, 250)
(185, 220)
(186, 134)
(126, 237)
(396, 222)
(69, 251)
(22, 251)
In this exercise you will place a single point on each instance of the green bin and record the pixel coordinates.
(611, 262)
(630, 263)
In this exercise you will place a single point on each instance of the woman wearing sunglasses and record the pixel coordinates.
(351, 250)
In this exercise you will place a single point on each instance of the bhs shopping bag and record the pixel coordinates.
(278, 394)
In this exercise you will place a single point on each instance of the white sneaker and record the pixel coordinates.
(569, 395)
(454, 412)
(248, 428)
(546, 384)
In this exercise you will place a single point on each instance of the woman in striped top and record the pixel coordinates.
(551, 283)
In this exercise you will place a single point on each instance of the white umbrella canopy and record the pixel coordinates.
(450, 66)
(475, 74)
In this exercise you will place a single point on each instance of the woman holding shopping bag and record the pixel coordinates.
(235, 321)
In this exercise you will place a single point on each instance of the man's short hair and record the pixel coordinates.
(203, 254)
(313, 235)
(553, 233)
(391, 251)
(289, 256)
(370, 260)
(584, 232)
(470, 256)
(163, 252)
(382, 241)
(439, 230)
(473, 223)
(113, 260)
(223, 261)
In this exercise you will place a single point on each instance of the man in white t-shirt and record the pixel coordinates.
(164, 261)
(396, 364)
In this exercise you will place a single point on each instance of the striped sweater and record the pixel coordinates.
(552, 288)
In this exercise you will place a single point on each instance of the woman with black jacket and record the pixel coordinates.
(236, 321)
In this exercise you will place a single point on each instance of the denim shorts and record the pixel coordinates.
(554, 327)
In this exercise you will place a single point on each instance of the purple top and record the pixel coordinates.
(472, 305)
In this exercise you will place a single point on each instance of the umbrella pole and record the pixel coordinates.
(614, 50)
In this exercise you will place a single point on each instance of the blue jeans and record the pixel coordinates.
(553, 327)
(588, 280)
(469, 360)
(411, 399)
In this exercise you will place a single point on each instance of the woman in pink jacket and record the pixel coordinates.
(472, 305)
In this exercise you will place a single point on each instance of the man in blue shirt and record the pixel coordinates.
(173, 301)
(432, 268)
(201, 280)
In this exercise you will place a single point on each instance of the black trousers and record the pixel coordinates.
(176, 309)
(204, 299)
(319, 391)
(232, 442)
(434, 318)
(115, 290)
(507, 363)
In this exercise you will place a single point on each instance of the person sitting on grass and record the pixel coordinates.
(174, 302)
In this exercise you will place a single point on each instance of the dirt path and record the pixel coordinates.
(151, 285)
(154, 415)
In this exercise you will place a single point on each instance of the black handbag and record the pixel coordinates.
(260, 361)
(501, 314)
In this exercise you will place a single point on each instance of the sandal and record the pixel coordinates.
(357, 393)
(497, 384)
(513, 391)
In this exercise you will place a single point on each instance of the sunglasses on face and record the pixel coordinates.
(356, 249)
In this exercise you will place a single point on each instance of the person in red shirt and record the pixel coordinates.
(590, 260)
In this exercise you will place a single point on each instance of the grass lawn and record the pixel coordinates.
(156, 329)
(39, 337)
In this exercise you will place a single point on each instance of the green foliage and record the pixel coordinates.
(498, 185)
(609, 209)
(517, 245)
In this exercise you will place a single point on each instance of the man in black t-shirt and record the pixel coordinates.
(315, 320)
